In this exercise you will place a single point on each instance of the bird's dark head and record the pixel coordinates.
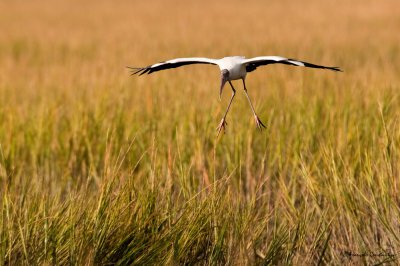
(224, 79)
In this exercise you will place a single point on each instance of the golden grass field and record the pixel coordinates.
(98, 167)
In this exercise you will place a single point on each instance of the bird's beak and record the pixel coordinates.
(223, 81)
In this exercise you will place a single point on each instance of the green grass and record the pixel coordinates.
(97, 167)
(100, 185)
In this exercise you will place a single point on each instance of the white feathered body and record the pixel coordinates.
(235, 66)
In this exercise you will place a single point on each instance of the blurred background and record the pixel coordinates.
(76, 128)
(70, 44)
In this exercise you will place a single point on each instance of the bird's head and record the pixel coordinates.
(224, 79)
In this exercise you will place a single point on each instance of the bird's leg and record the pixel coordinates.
(260, 124)
(223, 121)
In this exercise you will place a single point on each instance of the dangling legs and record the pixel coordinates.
(223, 121)
(260, 125)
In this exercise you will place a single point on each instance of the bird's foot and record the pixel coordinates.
(260, 124)
(221, 126)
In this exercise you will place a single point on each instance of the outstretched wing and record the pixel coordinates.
(172, 64)
(255, 62)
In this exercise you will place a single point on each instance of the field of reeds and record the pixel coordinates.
(98, 167)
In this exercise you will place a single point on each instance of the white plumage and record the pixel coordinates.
(232, 68)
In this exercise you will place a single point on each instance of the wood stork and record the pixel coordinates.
(232, 68)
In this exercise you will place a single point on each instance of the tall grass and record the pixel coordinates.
(97, 167)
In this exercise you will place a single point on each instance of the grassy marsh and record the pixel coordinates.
(97, 167)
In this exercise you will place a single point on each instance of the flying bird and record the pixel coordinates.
(232, 68)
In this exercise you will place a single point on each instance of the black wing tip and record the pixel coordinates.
(139, 70)
(318, 66)
(335, 69)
